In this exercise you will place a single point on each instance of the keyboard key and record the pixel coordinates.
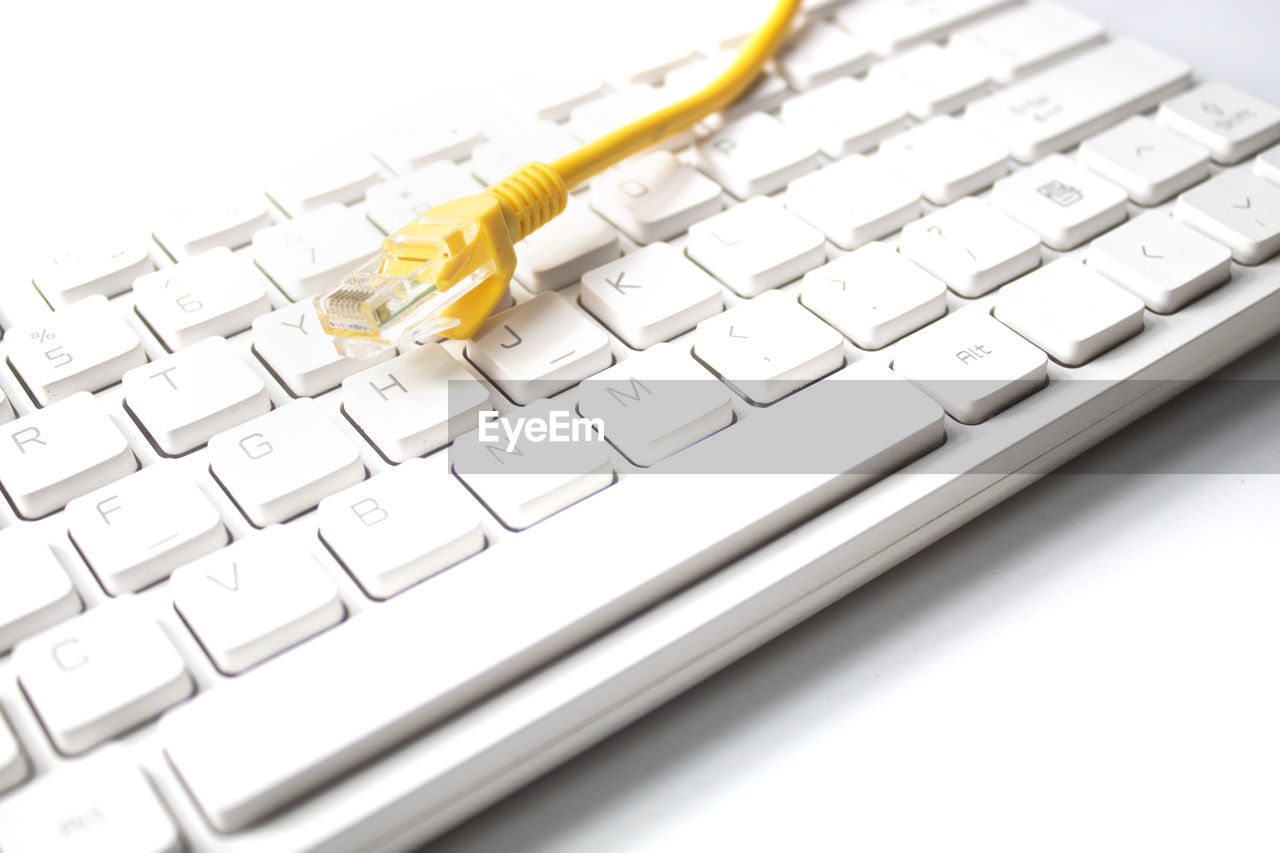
(538, 348)
(764, 95)
(284, 462)
(13, 764)
(945, 159)
(655, 197)
(397, 202)
(931, 80)
(35, 593)
(186, 398)
(6, 408)
(340, 178)
(819, 54)
(100, 674)
(1016, 44)
(768, 347)
(1074, 100)
(1237, 209)
(891, 25)
(1062, 202)
(874, 296)
(416, 403)
(554, 96)
(255, 598)
(755, 155)
(656, 404)
(525, 482)
(1230, 123)
(216, 293)
(650, 295)
(854, 201)
(292, 345)
(972, 364)
(1070, 311)
(137, 530)
(1152, 163)
(228, 222)
(845, 116)
(103, 803)
(106, 270)
(65, 450)
(1268, 165)
(756, 246)
(309, 253)
(971, 247)
(1161, 261)
(401, 526)
(407, 149)
(543, 141)
(605, 115)
(650, 61)
(559, 252)
(83, 347)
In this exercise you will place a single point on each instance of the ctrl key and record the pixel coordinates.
(102, 803)
(973, 365)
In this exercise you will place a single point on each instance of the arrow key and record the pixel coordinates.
(1161, 261)
(1237, 209)
(1152, 163)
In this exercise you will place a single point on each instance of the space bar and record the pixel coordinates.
(252, 745)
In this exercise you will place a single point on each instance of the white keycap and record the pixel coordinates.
(6, 408)
(401, 526)
(874, 296)
(186, 398)
(334, 178)
(1239, 210)
(1070, 311)
(971, 247)
(655, 197)
(1062, 202)
(931, 80)
(523, 479)
(102, 804)
(756, 246)
(543, 141)
(415, 403)
(1268, 165)
(854, 201)
(650, 295)
(945, 159)
(755, 155)
(61, 452)
(13, 764)
(768, 347)
(83, 347)
(891, 25)
(108, 270)
(413, 147)
(559, 252)
(1152, 163)
(229, 221)
(100, 674)
(553, 94)
(1023, 40)
(294, 347)
(819, 54)
(765, 94)
(845, 116)
(605, 115)
(656, 404)
(972, 364)
(284, 462)
(538, 348)
(1231, 124)
(1161, 261)
(35, 592)
(397, 202)
(1074, 100)
(646, 61)
(255, 598)
(137, 530)
(312, 252)
(216, 293)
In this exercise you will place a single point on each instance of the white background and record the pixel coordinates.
(1093, 666)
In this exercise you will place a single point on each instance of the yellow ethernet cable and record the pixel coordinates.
(443, 273)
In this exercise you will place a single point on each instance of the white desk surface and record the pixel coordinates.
(1091, 666)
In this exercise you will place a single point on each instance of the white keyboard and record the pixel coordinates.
(258, 597)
